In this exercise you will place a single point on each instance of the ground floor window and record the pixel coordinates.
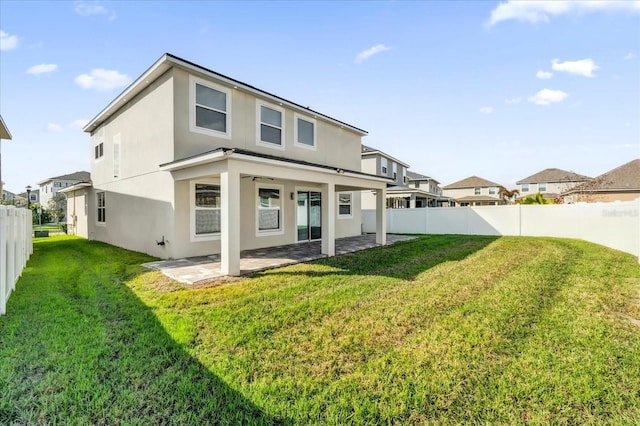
(269, 209)
(345, 204)
(102, 207)
(205, 209)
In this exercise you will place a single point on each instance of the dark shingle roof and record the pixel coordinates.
(625, 177)
(554, 175)
(74, 177)
(471, 182)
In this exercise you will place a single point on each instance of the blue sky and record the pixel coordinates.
(500, 90)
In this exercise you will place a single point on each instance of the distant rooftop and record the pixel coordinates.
(554, 175)
(471, 182)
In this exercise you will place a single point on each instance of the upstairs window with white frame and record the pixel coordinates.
(210, 108)
(269, 210)
(383, 166)
(345, 205)
(305, 131)
(97, 139)
(206, 216)
(542, 187)
(525, 187)
(404, 176)
(394, 167)
(270, 130)
(492, 190)
(476, 191)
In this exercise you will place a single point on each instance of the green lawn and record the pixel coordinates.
(445, 329)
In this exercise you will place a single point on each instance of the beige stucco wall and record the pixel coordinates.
(77, 212)
(552, 187)
(602, 197)
(334, 146)
(140, 200)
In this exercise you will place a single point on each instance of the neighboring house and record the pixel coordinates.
(20, 199)
(50, 187)
(474, 191)
(8, 197)
(189, 162)
(550, 183)
(376, 162)
(4, 134)
(619, 184)
(421, 191)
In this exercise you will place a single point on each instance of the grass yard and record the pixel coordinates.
(445, 329)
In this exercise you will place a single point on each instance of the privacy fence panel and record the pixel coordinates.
(16, 247)
(615, 225)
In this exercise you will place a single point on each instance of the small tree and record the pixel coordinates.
(58, 207)
(537, 198)
(508, 195)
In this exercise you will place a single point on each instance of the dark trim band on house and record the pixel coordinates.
(231, 151)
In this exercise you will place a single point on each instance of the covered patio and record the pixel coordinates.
(195, 270)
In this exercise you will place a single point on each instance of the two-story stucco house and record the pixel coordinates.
(379, 163)
(189, 162)
(550, 183)
(474, 191)
(51, 186)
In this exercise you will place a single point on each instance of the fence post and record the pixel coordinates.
(3, 260)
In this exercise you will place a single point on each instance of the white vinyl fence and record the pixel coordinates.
(16, 247)
(615, 225)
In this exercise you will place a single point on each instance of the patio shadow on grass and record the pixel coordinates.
(403, 260)
(78, 346)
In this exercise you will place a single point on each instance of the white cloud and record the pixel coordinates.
(94, 7)
(88, 8)
(629, 56)
(8, 42)
(42, 69)
(512, 101)
(373, 50)
(541, 11)
(584, 67)
(486, 110)
(544, 75)
(54, 128)
(101, 79)
(79, 124)
(548, 97)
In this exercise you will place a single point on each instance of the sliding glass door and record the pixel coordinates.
(309, 209)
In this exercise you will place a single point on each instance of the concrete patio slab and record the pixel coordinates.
(199, 269)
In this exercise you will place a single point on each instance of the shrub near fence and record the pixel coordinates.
(16, 247)
(615, 225)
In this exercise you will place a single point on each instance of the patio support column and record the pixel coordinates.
(230, 221)
(381, 216)
(328, 245)
(412, 201)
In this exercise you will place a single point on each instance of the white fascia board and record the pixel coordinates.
(385, 155)
(196, 161)
(76, 187)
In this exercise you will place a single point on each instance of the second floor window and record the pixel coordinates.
(271, 125)
(476, 191)
(211, 109)
(383, 166)
(99, 150)
(305, 133)
(525, 187)
(492, 190)
(542, 187)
